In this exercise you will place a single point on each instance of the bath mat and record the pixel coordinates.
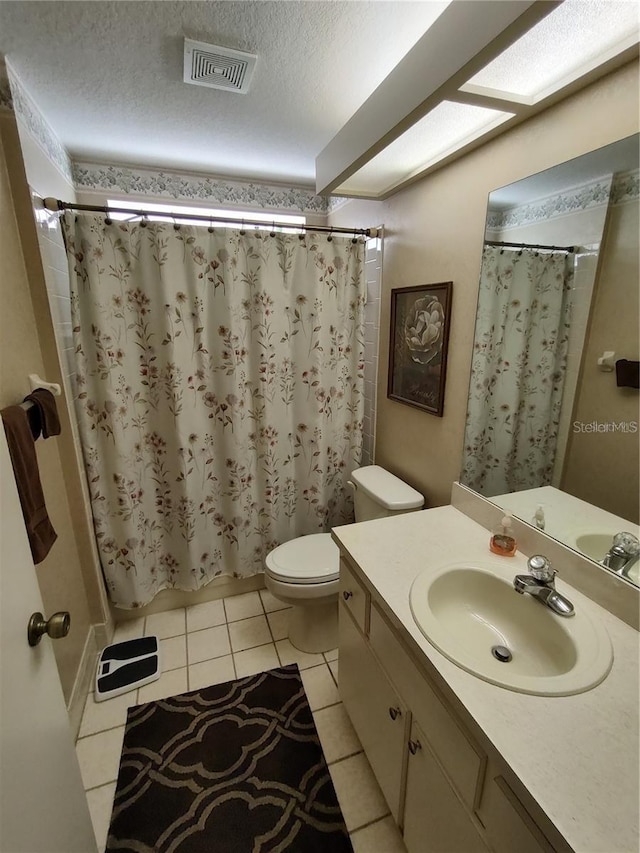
(231, 768)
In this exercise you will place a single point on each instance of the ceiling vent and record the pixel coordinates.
(218, 67)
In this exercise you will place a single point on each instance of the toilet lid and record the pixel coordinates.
(307, 559)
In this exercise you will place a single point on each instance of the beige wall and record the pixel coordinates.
(48, 273)
(602, 467)
(59, 575)
(434, 232)
(67, 577)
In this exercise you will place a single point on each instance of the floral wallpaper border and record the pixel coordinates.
(37, 126)
(626, 187)
(192, 187)
(592, 194)
(6, 101)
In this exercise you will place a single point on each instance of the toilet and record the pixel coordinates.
(305, 572)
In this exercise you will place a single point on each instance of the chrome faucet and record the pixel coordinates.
(540, 584)
(623, 553)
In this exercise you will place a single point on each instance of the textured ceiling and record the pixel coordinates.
(107, 75)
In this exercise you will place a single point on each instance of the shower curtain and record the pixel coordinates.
(220, 402)
(518, 370)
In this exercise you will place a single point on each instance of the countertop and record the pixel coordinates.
(578, 756)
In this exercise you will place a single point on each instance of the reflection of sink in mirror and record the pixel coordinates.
(594, 545)
(597, 545)
(583, 527)
(472, 614)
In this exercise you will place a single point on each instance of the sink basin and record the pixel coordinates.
(468, 611)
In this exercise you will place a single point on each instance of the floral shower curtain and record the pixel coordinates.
(518, 370)
(220, 394)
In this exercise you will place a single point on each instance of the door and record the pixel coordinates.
(375, 709)
(43, 808)
(434, 818)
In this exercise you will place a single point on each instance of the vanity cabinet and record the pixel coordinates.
(506, 820)
(444, 791)
(378, 714)
(434, 817)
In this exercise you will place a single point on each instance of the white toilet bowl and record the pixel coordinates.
(305, 573)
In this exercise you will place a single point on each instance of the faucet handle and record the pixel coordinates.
(541, 568)
(628, 543)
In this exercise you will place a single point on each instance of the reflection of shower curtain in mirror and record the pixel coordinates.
(518, 370)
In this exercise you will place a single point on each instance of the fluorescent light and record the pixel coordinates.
(448, 127)
(575, 37)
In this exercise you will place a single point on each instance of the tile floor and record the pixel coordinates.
(219, 641)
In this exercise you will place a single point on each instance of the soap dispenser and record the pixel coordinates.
(538, 517)
(502, 540)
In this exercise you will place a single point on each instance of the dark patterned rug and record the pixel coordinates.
(232, 768)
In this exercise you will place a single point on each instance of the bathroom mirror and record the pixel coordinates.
(550, 435)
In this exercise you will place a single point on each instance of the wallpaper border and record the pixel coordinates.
(164, 183)
(28, 114)
(589, 195)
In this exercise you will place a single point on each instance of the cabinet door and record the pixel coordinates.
(355, 596)
(435, 821)
(377, 714)
(508, 824)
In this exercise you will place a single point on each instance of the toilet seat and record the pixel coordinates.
(305, 560)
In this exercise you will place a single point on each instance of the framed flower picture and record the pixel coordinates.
(420, 318)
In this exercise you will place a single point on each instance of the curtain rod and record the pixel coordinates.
(569, 249)
(57, 205)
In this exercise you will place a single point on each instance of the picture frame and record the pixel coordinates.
(419, 340)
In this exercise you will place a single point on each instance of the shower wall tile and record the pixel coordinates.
(373, 278)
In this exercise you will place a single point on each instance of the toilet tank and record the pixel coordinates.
(378, 494)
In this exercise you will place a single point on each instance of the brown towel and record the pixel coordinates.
(627, 373)
(45, 418)
(25, 466)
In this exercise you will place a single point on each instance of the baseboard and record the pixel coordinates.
(84, 677)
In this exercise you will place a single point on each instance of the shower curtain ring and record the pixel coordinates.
(211, 229)
(107, 219)
(330, 237)
(176, 225)
(143, 221)
(242, 231)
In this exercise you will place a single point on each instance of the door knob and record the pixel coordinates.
(347, 594)
(57, 626)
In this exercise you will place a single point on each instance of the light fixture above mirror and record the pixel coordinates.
(510, 60)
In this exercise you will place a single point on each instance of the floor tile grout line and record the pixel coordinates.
(186, 650)
(344, 757)
(324, 707)
(101, 785)
(233, 660)
(102, 731)
(371, 823)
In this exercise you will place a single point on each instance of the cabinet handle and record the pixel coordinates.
(347, 595)
(394, 713)
(414, 746)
